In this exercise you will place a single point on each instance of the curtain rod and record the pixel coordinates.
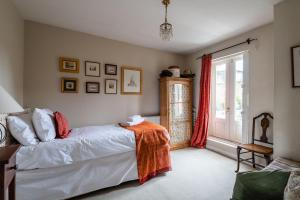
(248, 41)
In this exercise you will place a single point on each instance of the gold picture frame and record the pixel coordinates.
(69, 85)
(131, 80)
(69, 65)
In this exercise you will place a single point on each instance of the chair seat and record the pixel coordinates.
(257, 148)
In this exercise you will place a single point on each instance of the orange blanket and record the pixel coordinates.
(152, 150)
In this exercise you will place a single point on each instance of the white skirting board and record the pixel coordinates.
(222, 148)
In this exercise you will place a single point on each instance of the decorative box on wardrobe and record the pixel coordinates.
(176, 100)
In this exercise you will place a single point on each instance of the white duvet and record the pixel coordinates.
(83, 144)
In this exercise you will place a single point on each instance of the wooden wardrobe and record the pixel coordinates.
(176, 100)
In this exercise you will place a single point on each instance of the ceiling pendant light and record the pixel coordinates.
(166, 29)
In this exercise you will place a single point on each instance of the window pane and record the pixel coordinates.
(220, 90)
(238, 90)
(179, 93)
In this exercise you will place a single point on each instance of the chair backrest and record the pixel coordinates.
(265, 124)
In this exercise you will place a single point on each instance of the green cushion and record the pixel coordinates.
(264, 185)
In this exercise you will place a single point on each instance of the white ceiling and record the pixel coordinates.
(197, 23)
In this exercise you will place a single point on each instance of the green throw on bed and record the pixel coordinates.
(264, 185)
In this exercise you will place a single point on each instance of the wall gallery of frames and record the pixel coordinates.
(131, 77)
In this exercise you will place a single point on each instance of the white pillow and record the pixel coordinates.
(49, 112)
(21, 129)
(43, 124)
(292, 190)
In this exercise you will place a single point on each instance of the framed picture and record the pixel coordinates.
(92, 68)
(69, 85)
(92, 87)
(110, 69)
(111, 86)
(295, 66)
(70, 65)
(131, 80)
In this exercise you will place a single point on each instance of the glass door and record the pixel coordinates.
(220, 100)
(235, 109)
(228, 98)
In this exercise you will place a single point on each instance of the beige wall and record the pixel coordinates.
(261, 67)
(45, 44)
(11, 50)
(287, 108)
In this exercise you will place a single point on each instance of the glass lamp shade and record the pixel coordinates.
(7, 103)
(166, 31)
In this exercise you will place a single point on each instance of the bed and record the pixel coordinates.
(91, 158)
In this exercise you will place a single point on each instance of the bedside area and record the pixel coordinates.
(8, 171)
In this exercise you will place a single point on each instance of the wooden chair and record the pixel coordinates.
(257, 149)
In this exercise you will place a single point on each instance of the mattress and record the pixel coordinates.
(83, 144)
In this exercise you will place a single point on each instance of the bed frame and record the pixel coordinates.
(76, 179)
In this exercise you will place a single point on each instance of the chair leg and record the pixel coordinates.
(268, 159)
(238, 151)
(253, 160)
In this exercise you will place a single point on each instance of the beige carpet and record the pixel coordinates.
(196, 175)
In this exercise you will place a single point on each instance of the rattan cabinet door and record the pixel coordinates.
(180, 113)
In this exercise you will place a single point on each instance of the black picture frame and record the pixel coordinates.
(116, 86)
(91, 91)
(69, 85)
(88, 72)
(114, 67)
(295, 66)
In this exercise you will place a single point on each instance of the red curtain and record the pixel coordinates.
(199, 137)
